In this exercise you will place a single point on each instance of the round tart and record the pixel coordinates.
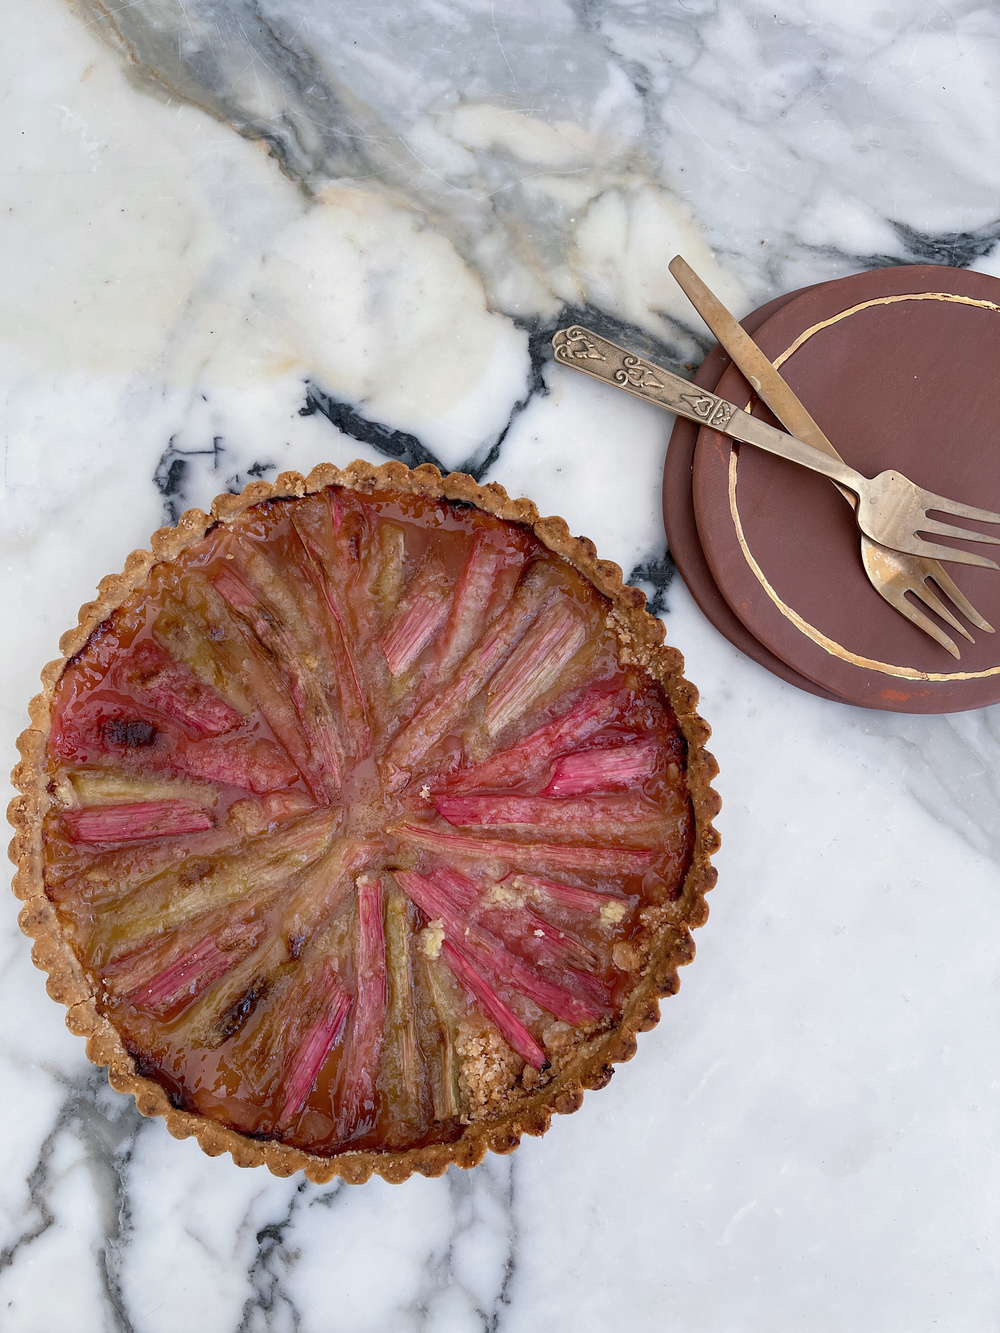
(363, 823)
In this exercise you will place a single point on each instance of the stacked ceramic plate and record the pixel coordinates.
(899, 367)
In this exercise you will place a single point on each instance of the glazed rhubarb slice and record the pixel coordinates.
(535, 754)
(581, 812)
(329, 1003)
(419, 616)
(127, 823)
(363, 814)
(492, 960)
(358, 1098)
(535, 665)
(528, 855)
(176, 691)
(619, 768)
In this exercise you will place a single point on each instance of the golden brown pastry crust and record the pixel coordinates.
(592, 1064)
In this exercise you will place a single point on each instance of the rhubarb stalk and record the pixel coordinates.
(582, 812)
(534, 666)
(470, 604)
(129, 823)
(419, 616)
(610, 905)
(177, 691)
(246, 659)
(388, 582)
(620, 768)
(493, 961)
(345, 667)
(286, 637)
(192, 973)
(402, 1070)
(330, 1004)
(439, 714)
(529, 757)
(527, 855)
(176, 896)
(445, 1090)
(358, 1098)
(509, 1025)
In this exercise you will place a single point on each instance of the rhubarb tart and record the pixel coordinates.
(363, 823)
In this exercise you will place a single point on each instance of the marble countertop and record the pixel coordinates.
(240, 236)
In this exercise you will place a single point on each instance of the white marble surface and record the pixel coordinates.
(809, 1138)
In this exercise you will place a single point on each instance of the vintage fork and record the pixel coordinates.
(891, 509)
(892, 574)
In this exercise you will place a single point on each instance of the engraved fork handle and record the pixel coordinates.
(594, 355)
(748, 358)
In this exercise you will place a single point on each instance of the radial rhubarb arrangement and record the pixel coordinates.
(363, 823)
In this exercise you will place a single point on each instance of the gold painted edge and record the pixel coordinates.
(879, 300)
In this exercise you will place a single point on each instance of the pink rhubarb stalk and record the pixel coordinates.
(158, 745)
(528, 855)
(188, 977)
(529, 757)
(160, 977)
(620, 768)
(129, 823)
(492, 959)
(534, 666)
(345, 667)
(317, 1041)
(240, 761)
(241, 655)
(535, 939)
(566, 895)
(462, 891)
(582, 812)
(176, 691)
(310, 705)
(473, 593)
(434, 719)
(88, 877)
(509, 1025)
(418, 617)
(358, 1097)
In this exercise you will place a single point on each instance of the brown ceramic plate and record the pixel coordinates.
(682, 529)
(898, 367)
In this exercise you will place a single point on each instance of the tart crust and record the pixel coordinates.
(591, 1066)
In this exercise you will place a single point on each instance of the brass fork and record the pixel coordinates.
(892, 574)
(891, 509)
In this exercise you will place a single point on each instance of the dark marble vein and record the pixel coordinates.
(106, 1126)
(269, 1308)
(657, 572)
(954, 249)
(230, 60)
(350, 422)
(496, 1179)
(175, 477)
(958, 249)
(409, 449)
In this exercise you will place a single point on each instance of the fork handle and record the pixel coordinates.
(748, 358)
(587, 351)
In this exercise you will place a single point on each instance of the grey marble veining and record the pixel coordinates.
(238, 238)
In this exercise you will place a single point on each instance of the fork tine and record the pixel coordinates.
(954, 593)
(931, 551)
(943, 505)
(949, 530)
(930, 598)
(898, 599)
